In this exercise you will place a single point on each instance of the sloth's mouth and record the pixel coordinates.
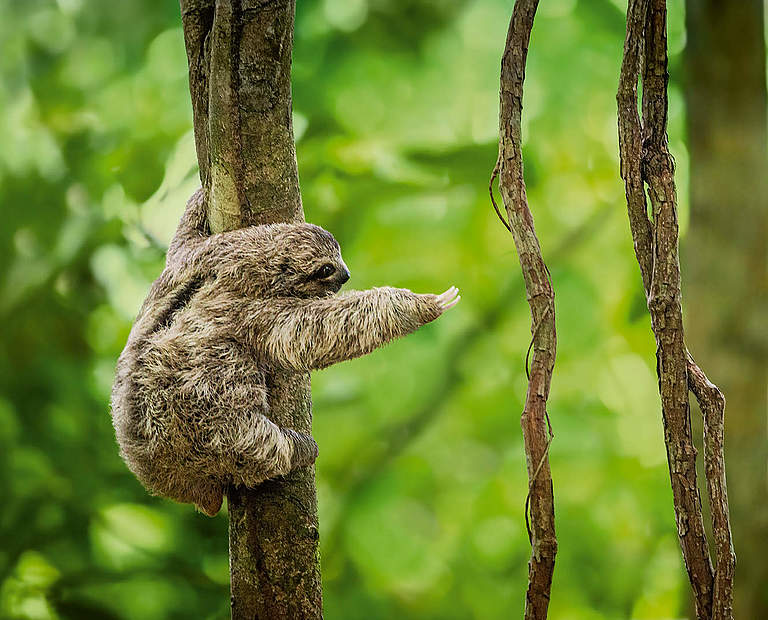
(341, 279)
(337, 283)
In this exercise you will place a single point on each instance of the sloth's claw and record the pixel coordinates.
(449, 298)
(452, 304)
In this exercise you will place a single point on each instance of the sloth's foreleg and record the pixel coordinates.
(307, 334)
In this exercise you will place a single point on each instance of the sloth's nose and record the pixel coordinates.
(344, 275)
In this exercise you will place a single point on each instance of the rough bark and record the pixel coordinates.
(664, 305)
(712, 404)
(239, 54)
(646, 161)
(541, 299)
(726, 255)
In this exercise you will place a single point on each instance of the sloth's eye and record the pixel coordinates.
(325, 271)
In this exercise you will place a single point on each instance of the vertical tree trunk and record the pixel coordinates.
(726, 254)
(239, 54)
(541, 297)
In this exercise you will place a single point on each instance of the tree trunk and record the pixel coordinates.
(726, 256)
(239, 54)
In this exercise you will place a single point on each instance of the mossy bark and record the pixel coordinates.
(239, 54)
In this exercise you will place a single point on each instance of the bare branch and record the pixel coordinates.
(645, 160)
(226, 192)
(712, 405)
(541, 300)
(664, 304)
(631, 142)
(197, 19)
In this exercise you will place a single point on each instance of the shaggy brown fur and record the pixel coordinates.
(191, 401)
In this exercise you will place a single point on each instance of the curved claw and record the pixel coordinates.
(452, 304)
(449, 298)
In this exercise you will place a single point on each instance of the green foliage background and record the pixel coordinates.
(421, 475)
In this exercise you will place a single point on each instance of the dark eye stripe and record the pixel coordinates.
(325, 271)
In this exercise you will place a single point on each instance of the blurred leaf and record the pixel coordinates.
(126, 535)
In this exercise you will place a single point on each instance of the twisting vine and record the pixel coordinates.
(537, 433)
(647, 165)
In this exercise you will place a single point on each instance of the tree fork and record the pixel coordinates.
(239, 54)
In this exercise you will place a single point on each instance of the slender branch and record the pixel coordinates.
(630, 140)
(541, 300)
(645, 159)
(197, 19)
(664, 304)
(502, 219)
(239, 54)
(712, 405)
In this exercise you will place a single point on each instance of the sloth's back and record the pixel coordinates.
(181, 392)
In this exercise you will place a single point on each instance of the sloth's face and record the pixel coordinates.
(312, 265)
(327, 277)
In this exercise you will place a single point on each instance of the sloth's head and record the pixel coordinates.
(281, 260)
(306, 262)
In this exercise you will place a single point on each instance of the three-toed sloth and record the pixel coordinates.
(191, 401)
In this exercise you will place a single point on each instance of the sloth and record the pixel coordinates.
(191, 399)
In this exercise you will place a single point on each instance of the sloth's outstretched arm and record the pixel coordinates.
(307, 334)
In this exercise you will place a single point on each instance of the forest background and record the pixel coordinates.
(421, 475)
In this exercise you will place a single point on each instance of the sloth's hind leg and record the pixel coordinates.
(261, 450)
(208, 497)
